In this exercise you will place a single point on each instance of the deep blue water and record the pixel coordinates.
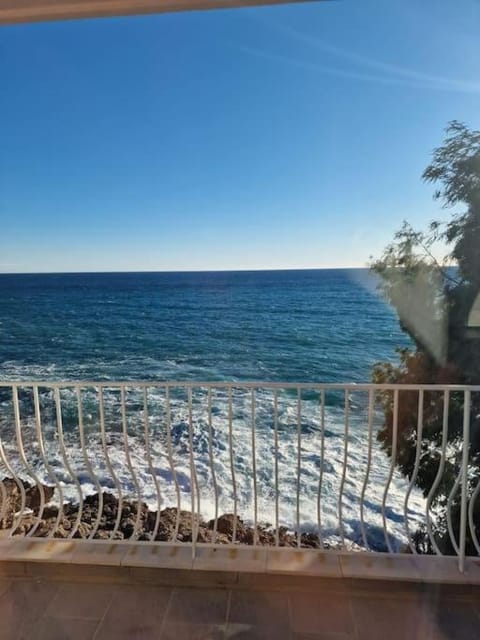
(319, 325)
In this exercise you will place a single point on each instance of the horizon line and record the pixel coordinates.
(35, 273)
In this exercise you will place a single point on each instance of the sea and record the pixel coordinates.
(312, 326)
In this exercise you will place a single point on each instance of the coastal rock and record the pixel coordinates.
(170, 525)
(34, 496)
(127, 527)
(50, 511)
(227, 523)
(12, 502)
(83, 531)
(102, 535)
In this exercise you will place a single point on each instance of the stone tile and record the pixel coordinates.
(231, 559)
(182, 577)
(64, 629)
(9, 568)
(198, 606)
(238, 631)
(43, 550)
(21, 605)
(77, 572)
(6, 546)
(436, 590)
(303, 562)
(260, 610)
(395, 619)
(322, 636)
(291, 582)
(47, 570)
(452, 619)
(185, 631)
(160, 556)
(386, 588)
(321, 613)
(439, 569)
(33, 595)
(135, 612)
(81, 600)
(379, 566)
(4, 585)
(100, 553)
(476, 592)
(472, 570)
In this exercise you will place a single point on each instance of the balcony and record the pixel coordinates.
(227, 510)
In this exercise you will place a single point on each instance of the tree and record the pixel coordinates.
(433, 298)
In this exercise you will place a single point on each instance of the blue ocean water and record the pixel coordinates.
(278, 326)
(319, 325)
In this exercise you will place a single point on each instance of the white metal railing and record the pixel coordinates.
(228, 463)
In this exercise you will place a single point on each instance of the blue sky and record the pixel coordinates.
(276, 137)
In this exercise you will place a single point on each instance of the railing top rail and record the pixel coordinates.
(332, 386)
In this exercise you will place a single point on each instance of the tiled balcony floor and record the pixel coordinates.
(42, 609)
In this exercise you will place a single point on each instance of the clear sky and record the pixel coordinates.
(277, 137)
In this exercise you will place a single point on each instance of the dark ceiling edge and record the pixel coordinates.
(54, 11)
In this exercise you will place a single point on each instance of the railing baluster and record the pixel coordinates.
(299, 462)
(413, 479)
(168, 426)
(150, 462)
(109, 464)
(212, 465)
(48, 466)
(23, 496)
(254, 471)
(88, 464)
(462, 477)
(471, 507)
(193, 479)
(277, 492)
(232, 463)
(197, 485)
(451, 496)
(441, 467)
(73, 475)
(371, 399)
(465, 455)
(3, 507)
(136, 528)
(392, 468)
(344, 470)
(320, 475)
(28, 467)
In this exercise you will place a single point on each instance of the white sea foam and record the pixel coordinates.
(294, 474)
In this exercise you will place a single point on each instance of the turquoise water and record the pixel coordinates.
(290, 326)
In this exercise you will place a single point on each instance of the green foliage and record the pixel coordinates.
(456, 166)
(433, 301)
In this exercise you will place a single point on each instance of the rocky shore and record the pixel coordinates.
(172, 523)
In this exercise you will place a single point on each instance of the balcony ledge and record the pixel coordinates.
(219, 566)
